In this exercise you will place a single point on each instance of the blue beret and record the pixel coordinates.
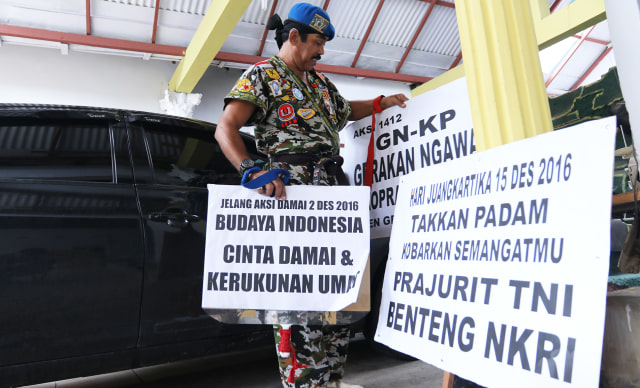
(314, 17)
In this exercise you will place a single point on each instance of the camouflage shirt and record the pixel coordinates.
(291, 117)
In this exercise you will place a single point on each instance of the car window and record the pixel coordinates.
(180, 156)
(56, 151)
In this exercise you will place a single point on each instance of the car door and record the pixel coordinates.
(174, 160)
(70, 237)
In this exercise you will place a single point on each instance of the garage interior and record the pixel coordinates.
(131, 54)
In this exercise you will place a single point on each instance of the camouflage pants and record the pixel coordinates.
(318, 355)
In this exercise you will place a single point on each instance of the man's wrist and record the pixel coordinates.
(245, 165)
(377, 108)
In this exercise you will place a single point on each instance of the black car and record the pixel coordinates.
(102, 237)
(102, 230)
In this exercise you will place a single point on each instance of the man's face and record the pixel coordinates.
(309, 52)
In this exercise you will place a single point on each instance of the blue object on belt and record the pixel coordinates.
(264, 178)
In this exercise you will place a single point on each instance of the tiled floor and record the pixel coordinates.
(259, 370)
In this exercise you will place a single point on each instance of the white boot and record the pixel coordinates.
(341, 384)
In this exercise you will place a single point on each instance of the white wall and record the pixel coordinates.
(214, 85)
(367, 89)
(45, 76)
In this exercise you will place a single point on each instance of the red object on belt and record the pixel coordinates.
(285, 341)
(368, 169)
(285, 346)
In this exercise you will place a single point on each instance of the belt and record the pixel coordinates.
(331, 164)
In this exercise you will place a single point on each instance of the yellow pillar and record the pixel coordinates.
(216, 25)
(506, 86)
(539, 10)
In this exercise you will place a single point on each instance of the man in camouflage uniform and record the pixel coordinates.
(297, 114)
(293, 118)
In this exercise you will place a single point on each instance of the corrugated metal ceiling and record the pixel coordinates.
(399, 39)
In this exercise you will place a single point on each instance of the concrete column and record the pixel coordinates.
(506, 86)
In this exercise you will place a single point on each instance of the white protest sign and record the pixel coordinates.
(305, 253)
(434, 128)
(498, 262)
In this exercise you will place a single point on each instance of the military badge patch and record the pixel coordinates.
(272, 73)
(275, 88)
(325, 94)
(287, 114)
(319, 23)
(327, 100)
(306, 113)
(298, 94)
(244, 85)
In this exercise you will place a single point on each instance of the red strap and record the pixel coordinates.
(285, 346)
(294, 366)
(368, 169)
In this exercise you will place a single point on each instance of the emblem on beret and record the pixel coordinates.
(319, 23)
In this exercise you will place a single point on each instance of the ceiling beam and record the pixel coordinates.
(179, 51)
(568, 21)
(216, 25)
(376, 74)
(442, 3)
(592, 67)
(456, 61)
(330, 69)
(88, 16)
(554, 6)
(559, 25)
(415, 35)
(366, 34)
(266, 29)
(566, 58)
(155, 22)
(90, 40)
(593, 40)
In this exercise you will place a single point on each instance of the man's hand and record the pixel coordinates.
(360, 109)
(396, 99)
(276, 186)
